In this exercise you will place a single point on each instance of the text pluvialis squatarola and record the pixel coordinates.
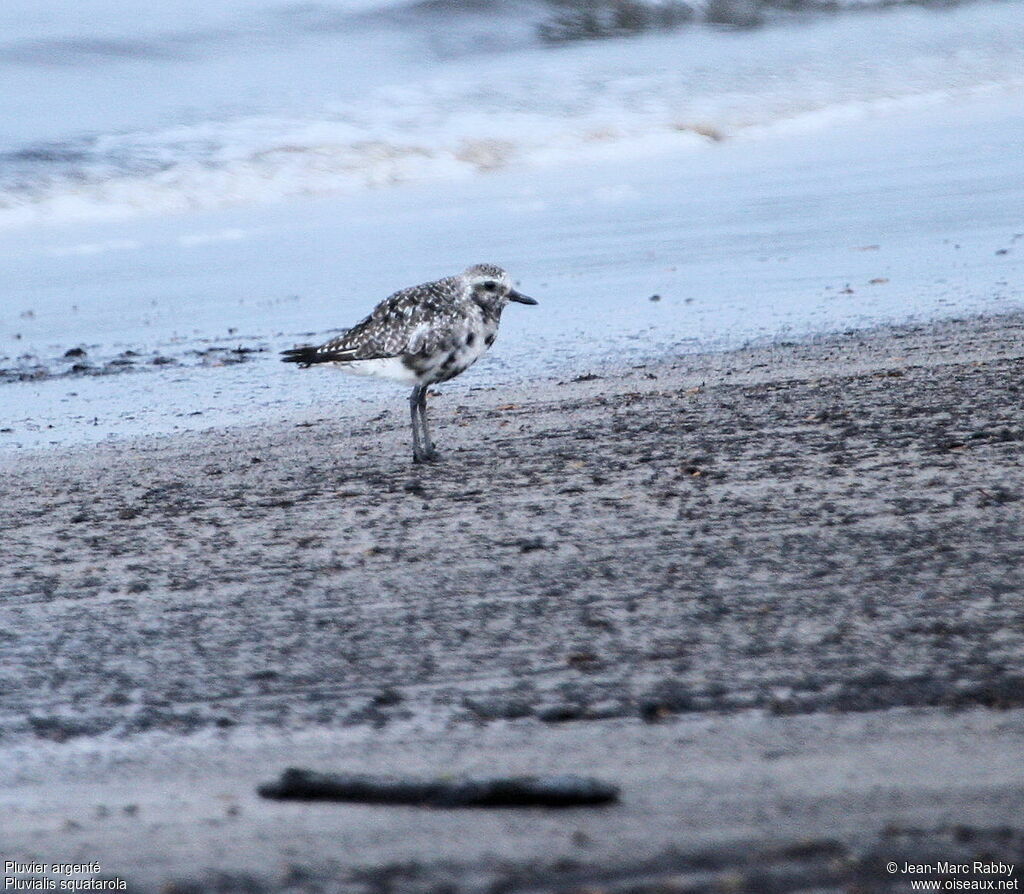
(422, 335)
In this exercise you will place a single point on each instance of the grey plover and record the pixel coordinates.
(422, 335)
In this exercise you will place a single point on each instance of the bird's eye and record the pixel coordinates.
(490, 286)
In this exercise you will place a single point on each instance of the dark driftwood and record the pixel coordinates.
(496, 791)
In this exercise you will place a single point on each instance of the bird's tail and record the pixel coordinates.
(304, 356)
(307, 355)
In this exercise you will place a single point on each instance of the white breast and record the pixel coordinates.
(386, 368)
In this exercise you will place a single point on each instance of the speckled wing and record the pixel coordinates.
(411, 321)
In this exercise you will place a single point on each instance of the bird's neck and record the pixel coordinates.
(491, 309)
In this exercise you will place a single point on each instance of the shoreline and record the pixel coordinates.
(932, 237)
(372, 399)
(757, 588)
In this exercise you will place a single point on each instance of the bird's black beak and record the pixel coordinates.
(520, 297)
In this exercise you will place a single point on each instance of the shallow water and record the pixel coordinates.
(764, 184)
(206, 106)
(806, 234)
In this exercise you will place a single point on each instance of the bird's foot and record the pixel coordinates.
(430, 455)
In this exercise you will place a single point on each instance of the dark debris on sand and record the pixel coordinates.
(296, 784)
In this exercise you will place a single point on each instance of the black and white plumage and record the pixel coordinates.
(422, 335)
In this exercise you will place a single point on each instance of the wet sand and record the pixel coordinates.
(777, 594)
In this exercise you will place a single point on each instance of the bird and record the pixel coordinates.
(422, 335)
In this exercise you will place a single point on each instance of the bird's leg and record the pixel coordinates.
(429, 452)
(414, 408)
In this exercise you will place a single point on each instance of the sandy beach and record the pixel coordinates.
(773, 593)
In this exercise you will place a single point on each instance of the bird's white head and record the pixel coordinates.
(491, 286)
